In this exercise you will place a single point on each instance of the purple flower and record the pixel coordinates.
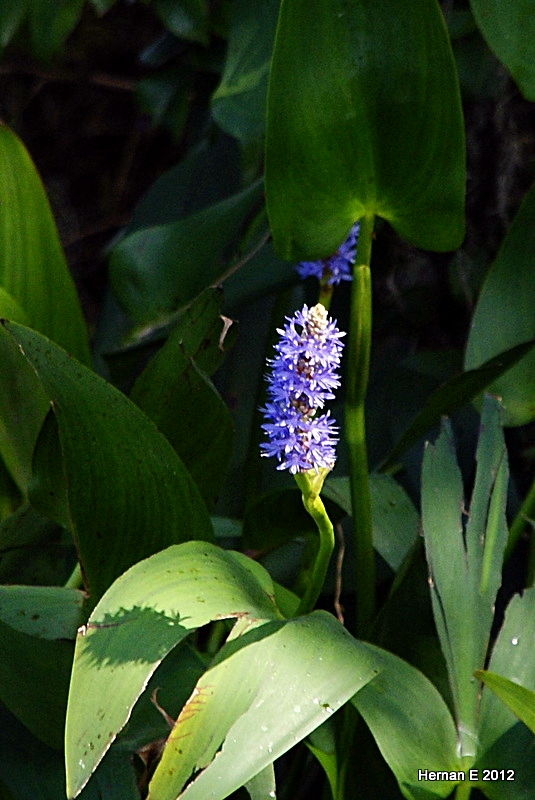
(335, 268)
(303, 376)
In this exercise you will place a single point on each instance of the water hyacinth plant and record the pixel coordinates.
(177, 542)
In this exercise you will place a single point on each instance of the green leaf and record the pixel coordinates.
(262, 786)
(411, 724)
(520, 700)
(509, 28)
(11, 17)
(266, 691)
(51, 24)
(504, 316)
(465, 561)
(48, 612)
(34, 681)
(180, 398)
(32, 551)
(33, 270)
(144, 614)
(156, 270)
(363, 118)
(395, 520)
(187, 19)
(452, 395)
(238, 104)
(512, 659)
(111, 451)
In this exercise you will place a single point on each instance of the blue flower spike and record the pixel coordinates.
(303, 377)
(332, 270)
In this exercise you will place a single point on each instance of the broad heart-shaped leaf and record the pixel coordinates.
(465, 551)
(129, 494)
(504, 315)
(239, 102)
(156, 270)
(363, 118)
(267, 690)
(143, 615)
(509, 28)
(179, 397)
(33, 270)
(412, 726)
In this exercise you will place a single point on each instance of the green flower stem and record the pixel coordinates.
(524, 517)
(310, 484)
(463, 791)
(358, 356)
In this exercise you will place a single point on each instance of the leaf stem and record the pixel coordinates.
(359, 345)
(463, 791)
(75, 580)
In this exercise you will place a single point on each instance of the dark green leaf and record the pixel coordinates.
(156, 270)
(34, 682)
(453, 395)
(509, 28)
(187, 19)
(11, 16)
(239, 102)
(395, 520)
(504, 316)
(31, 550)
(51, 24)
(364, 117)
(129, 493)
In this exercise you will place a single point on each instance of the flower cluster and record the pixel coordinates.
(335, 268)
(303, 377)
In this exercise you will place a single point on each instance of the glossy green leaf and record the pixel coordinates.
(266, 691)
(111, 451)
(452, 395)
(465, 549)
(411, 724)
(504, 316)
(509, 28)
(156, 270)
(395, 520)
(520, 700)
(50, 25)
(48, 612)
(175, 392)
(144, 614)
(363, 117)
(239, 102)
(262, 786)
(33, 270)
(34, 681)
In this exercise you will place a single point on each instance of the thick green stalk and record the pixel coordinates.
(358, 356)
(310, 484)
(463, 791)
